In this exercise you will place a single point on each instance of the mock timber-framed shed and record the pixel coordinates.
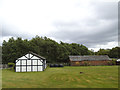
(31, 62)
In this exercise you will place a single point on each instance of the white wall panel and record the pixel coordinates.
(45, 63)
(23, 62)
(23, 68)
(28, 62)
(17, 69)
(34, 62)
(31, 55)
(27, 55)
(34, 68)
(39, 62)
(28, 68)
(17, 62)
(34, 57)
(40, 68)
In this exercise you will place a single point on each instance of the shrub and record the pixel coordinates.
(110, 63)
(11, 66)
(86, 63)
(114, 61)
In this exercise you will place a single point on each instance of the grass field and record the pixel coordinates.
(67, 77)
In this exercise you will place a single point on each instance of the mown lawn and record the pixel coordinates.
(66, 77)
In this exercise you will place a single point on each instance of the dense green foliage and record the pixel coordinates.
(113, 53)
(103, 52)
(50, 49)
(67, 77)
(46, 47)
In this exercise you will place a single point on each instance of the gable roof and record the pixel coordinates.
(89, 58)
(36, 55)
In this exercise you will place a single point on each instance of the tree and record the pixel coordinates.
(115, 52)
(46, 47)
(103, 52)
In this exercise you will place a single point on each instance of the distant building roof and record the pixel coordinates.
(89, 58)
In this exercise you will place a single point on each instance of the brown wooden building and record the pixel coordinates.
(90, 60)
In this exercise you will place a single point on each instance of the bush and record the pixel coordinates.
(11, 66)
(110, 63)
(86, 63)
(114, 61)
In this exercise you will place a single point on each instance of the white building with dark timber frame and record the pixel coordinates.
(30, 62)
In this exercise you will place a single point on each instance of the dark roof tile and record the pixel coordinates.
(89, 57)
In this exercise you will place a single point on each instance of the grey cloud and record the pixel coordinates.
(105, 10)
(14, 31)
(91, 31)
(89, 35)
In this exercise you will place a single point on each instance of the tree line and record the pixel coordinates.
(48, 48)
(112, 53)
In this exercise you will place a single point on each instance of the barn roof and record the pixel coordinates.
(89, 58)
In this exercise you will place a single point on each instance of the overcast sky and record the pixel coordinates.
(93, 23)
